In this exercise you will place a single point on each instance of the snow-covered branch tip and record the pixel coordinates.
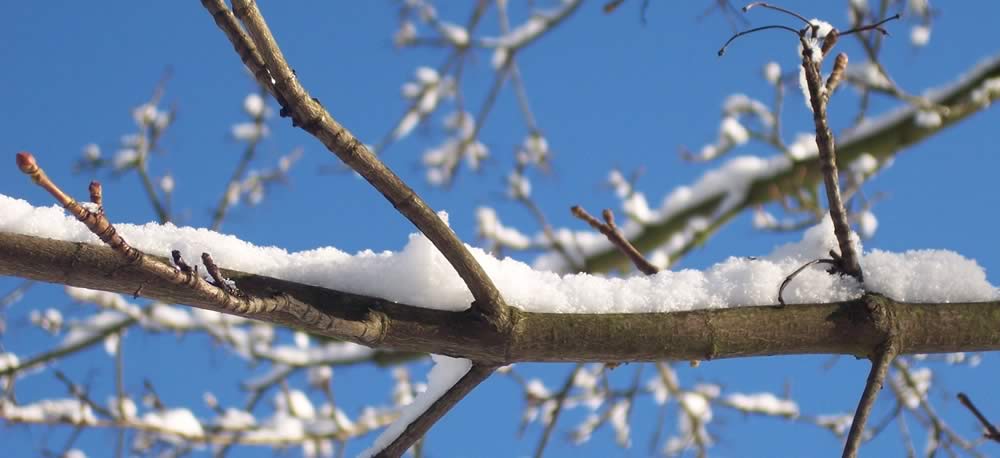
(220, 291)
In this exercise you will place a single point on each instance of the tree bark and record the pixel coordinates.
(836, 328)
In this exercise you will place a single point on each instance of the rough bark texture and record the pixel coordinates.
(837, 328)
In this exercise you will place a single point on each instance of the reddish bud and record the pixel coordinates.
(26, 162)
(95, 192)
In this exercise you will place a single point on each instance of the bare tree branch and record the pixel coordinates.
(273, 72)
(615, 236)
(876, 377)
(991, 431)
(848, 262)
(882, 137)
(416, 430)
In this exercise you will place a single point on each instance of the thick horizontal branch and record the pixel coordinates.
(881, 137)
(835, 328)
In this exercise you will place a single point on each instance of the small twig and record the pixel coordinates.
(217, 278)
(610, 230)
(248, 154)
(836, 75)
(100, 226)
(418, 428)
(776, 8)
(789, 278)
(560, 399)
(880, 367)
(96, 195)
(992, 432)
(722, 50)
(179, 262)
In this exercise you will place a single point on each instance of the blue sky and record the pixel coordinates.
(607, 91)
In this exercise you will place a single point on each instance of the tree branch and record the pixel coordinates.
(615, 236)
(848, 261)
(876, 377)
(418, 428)
(262, 55)
(992, 432)
(883, 318)
(699, 334)
(882, 137)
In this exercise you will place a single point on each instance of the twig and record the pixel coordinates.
(560, 399)
(99, 224)
(836, 76)
(268, 64)
(946, 437)
(610, 230)
(891, 133)
(416, 430)
(992, 432)
(248, 154)
(880, 367)
(217, 278)
(904, 431)
(849, 263)
(789, 278)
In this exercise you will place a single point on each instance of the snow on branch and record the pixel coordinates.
(743, 182)
(419, 274)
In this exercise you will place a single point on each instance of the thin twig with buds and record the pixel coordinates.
(610, 230)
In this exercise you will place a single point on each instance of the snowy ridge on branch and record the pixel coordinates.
(419, 275)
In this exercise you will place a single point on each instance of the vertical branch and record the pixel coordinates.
(848, 262)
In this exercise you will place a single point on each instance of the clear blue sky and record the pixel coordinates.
(607, 91)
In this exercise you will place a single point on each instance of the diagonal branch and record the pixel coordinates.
(615, 236)
(992, 432)
(880, 367)
(419, 427)
(260, 52)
